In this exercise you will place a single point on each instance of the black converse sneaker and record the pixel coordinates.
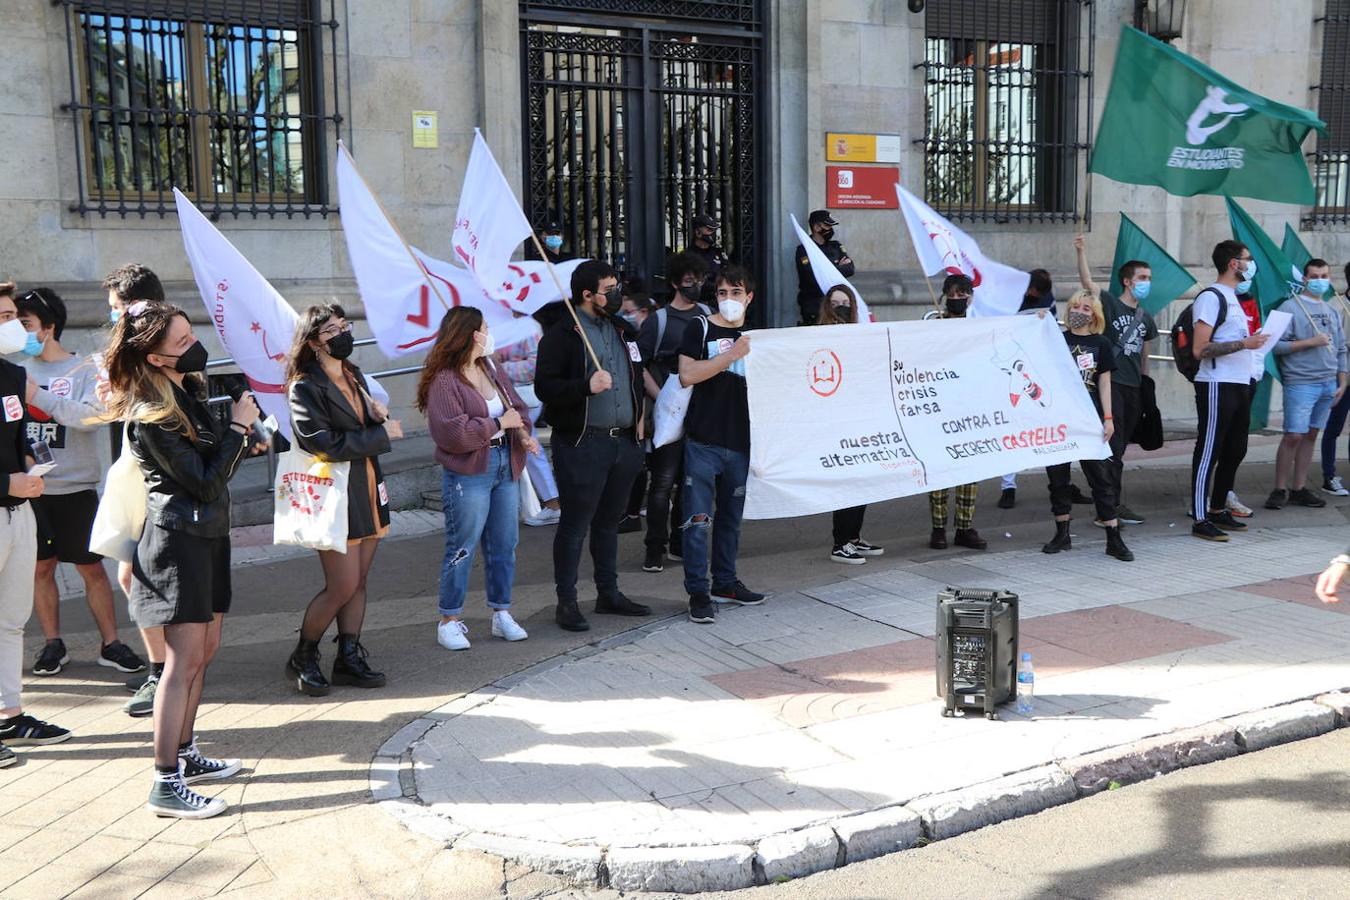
(172, 798)
(194, 767)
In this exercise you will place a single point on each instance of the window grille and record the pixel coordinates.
(1008, 108)
(223, 99)
(1330, 160)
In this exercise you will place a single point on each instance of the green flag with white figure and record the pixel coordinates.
(1173, 122)
(1170, 280)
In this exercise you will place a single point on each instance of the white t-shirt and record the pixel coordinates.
(1235, 368)
(497, 408)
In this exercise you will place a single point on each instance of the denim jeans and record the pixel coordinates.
(482, 508)
(712, 473)
(1335, 423)
(595, 475)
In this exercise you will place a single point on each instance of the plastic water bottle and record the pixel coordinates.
(1026, 685)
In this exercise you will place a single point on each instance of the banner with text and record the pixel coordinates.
(854, 414)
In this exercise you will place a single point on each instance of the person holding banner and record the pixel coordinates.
(957, 291)
(336, 420)
(181, 567)
(839, 306)
(1095, 361)
(482, 434)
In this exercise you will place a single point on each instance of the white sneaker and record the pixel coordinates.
(453, 635)
(545, 516)
(1237, 507)
(505, 627)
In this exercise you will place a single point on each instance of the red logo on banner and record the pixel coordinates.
(824, 373)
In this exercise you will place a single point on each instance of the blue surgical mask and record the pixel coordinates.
(1140, 289)
(34, 346)
(553, 242)
(1318, 287)
(1248, 276)
(114, 315)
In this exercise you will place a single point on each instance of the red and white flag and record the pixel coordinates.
(943, 248)
(827, 273)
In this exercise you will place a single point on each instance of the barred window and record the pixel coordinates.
(223, 100)
(1008, 108)
(1331, 159)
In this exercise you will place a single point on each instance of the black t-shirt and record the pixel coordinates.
(666, 356)
(719, 413)
(1093, 356)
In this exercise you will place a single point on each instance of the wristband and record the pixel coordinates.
(1107, 418)
(243, 429)
(1342, 560)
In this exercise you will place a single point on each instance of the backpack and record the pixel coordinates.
(1183, 336)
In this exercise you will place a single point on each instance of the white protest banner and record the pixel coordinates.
(827, 274)
(944, 249)
(255, 324)
(845, 416)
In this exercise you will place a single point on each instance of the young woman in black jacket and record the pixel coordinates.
(181, 569)
(336, 420)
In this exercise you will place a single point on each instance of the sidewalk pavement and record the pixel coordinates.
(804, 710)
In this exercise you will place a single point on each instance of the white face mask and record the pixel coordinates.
(13, 337)
(731, 310)
(488, 346)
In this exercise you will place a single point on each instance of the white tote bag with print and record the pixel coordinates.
(311, 502)
(121, 510)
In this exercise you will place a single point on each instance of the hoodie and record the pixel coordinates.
(1314, 363)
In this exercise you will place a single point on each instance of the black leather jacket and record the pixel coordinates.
(188, 481)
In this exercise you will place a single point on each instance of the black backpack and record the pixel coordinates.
(1183, 336)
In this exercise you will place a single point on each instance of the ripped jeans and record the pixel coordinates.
(482, 508)
(712, 473)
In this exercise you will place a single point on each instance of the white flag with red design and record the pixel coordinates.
(944, 249)
(254, 322)
(827, 273)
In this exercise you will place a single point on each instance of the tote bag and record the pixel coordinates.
(672, 403)
(311, 502)
(121, 510)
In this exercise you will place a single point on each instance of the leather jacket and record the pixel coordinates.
(188, 480)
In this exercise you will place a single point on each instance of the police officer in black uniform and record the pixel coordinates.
(551, 236)
(705, 229)
(821, 225)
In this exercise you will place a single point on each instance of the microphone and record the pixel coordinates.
(260, 434)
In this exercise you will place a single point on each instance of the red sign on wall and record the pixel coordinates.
(861, 187)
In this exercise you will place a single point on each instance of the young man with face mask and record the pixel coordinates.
(821, 225)
(1223, 396)
(705, 247)
(956, 293)
(716, 448)
(1312, 359)
(62, 404)
(659, 342)
(596, 414)
(1129, 329)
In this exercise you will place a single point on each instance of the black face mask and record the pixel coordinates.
(340, 345)
(691, 292)
(956, 306)
(193, 359)
(826, 234)
(610, 301)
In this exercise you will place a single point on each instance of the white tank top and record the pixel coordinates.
(497, 408)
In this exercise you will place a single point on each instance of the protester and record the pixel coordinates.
(1095, 360)
(517, 362)
(18, 542)
(596, 413)
(1251, 307)
(659, 342)
(839, 306)
(956, 293)
(704, 246)
(1129, 329)
(1312, 360)
(1223, 390)
(821, 225)
(482, 434)
(336, 420)
(62, 408)
(1039, 297)
(717, 447)
(1331, 482)
(635, 309)
(125, 285)
(181, 567)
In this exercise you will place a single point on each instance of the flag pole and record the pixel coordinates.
(566, 301)
(431, 282)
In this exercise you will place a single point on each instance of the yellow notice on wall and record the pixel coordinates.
(426, 136)
(841, 147)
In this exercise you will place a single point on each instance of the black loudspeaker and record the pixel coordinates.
(976, 649)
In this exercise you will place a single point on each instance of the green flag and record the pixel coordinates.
(1178, 124)
(1299, 255)
(1170, 280)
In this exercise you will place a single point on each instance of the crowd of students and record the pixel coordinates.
(593, 376)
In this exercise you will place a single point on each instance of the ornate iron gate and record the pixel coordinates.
(635, 125)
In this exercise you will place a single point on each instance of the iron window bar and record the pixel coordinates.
(1330, 159)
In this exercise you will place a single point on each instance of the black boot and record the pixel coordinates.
(1061, 540)
(1115, 546)
(970, 538)
(304, 662)
(350, 666)
(569, 617)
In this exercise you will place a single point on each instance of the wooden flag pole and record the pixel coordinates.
(431, 282)
(562, 292)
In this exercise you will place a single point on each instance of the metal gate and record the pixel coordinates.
(639, 116)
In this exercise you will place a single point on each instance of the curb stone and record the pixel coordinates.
(579, 865)
(1143, 759)
(424, 821)
(877, 833)
(1281, 724)
(1340, 702)
(796, 853)
(683, 870)
(956, 812)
